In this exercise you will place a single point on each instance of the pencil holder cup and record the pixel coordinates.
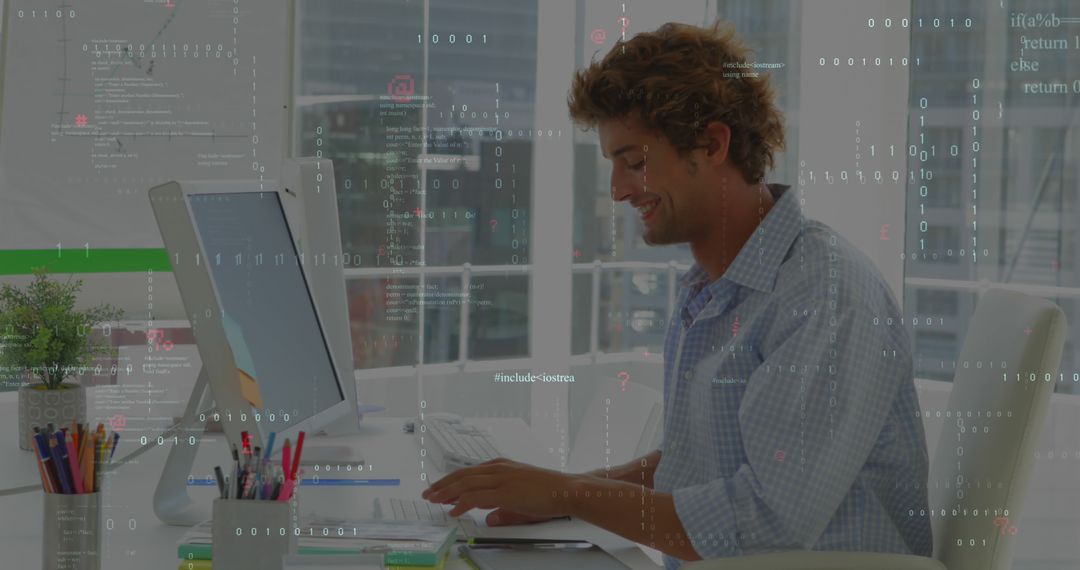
(71, 538)
(252, 534)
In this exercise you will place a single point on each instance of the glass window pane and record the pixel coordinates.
(443, 302)
(382, 313)
(633, 311)
(432, 160)
(581, 313)
(499, 317)
(992, 166)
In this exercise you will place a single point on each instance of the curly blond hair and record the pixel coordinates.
(677, 80)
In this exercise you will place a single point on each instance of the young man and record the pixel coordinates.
(789, 415)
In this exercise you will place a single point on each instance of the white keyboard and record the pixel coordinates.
(421, 510)
(456, 445)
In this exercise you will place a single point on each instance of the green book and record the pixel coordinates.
(400, 543)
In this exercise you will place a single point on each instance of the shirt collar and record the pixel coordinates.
(775, 234)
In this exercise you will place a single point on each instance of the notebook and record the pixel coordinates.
(539, 557)
(397, 543)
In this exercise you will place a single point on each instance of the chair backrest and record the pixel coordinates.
(997, 409)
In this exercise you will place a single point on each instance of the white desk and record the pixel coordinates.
(140, 541)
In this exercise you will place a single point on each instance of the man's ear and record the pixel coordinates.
(717, 140)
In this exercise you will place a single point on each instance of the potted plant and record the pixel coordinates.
(45, 340)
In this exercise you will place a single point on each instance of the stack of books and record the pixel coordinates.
(399, 545)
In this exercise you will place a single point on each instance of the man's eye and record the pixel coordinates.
(637, 166)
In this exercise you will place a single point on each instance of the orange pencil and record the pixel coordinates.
(88, 461)
(88, 467)
(73, 466)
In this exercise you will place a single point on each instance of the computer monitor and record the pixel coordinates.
(266, 358)
(309, 194)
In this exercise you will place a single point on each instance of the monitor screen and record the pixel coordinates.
(267, 310)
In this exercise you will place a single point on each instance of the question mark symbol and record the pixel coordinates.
(624, 376)
(493, 224)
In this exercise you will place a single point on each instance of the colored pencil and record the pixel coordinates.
(73, 466)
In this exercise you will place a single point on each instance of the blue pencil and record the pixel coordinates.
(270, 445)
(46, 460)
(61, 470)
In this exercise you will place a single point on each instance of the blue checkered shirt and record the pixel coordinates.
(789, 404)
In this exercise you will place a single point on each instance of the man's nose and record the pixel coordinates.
(623, 187)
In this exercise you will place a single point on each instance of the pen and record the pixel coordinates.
(526, 541)
(287, 490)
(65, 460)
(106, 450)
(94, 452)
(296, 456)
(286, 456)
(220, 481)
(247, 485)
(99, 459)
(57, 462)
(256, 469)
(115, 440)
(270, 445)
(47, 462)
(46, 481)
(540, 545)
(241, 476)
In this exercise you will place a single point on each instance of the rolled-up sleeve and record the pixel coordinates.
(809, 418)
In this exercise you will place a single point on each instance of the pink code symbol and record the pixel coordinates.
(80, 120)
(1003, 524)
(779, 455)
(401, 88)
(598, 36)
(157, 337)
(624, 377)
(117, 422)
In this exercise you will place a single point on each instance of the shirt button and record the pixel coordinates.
(688, 375)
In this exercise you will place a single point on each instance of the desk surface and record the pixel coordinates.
(139, 540)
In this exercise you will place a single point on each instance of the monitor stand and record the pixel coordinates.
(174, 506)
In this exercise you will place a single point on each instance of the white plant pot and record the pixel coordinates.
(39, 407)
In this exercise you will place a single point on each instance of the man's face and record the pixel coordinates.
(666, 190)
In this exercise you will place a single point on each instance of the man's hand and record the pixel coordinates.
(522, 493)
(528, 494)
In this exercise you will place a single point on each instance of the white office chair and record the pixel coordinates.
(991, 470)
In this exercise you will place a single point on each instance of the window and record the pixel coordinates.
(430, 130)
(995, 167)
